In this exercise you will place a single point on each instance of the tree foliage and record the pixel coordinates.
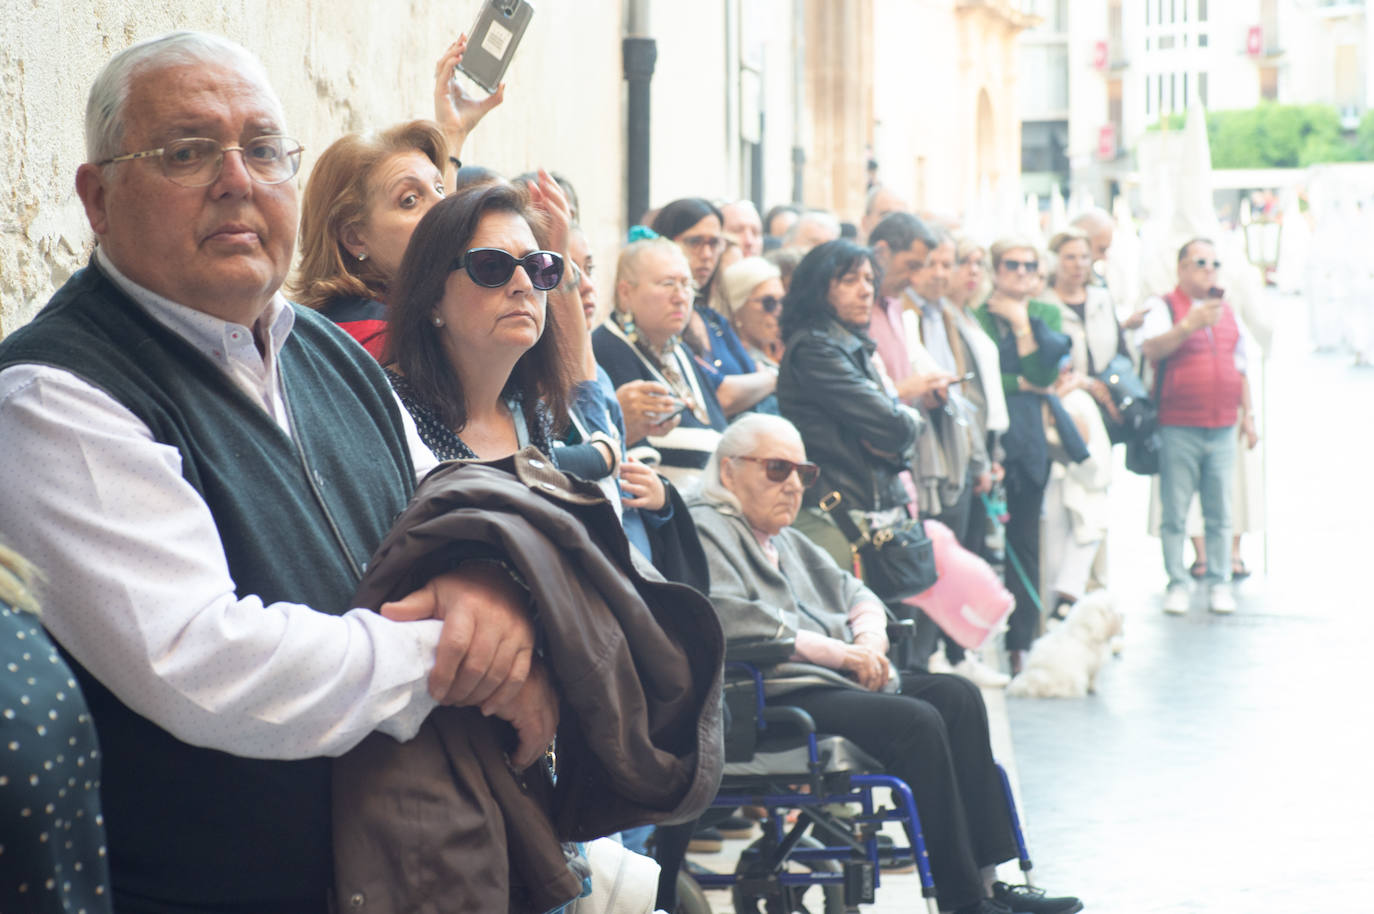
(1283, 136)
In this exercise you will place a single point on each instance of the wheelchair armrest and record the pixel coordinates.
(760, 651)
(900, 631)
(783, 715)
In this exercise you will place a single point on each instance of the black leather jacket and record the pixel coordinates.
(829, 389)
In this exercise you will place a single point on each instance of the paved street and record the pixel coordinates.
(1219, 767)
(1222, 765)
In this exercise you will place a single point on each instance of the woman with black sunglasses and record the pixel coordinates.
(475, 353)
(1030, 348)
(753, 296)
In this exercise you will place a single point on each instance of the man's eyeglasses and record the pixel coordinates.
(713, 243)
(196, 161)
(769, 303)
(1017, 266)
(778, 470)
(493, 267)
(1203, 263)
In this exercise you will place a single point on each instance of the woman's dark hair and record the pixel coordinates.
(680, 215)
(416, 347)
(807, 303)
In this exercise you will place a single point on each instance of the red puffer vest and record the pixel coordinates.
(1202, 387)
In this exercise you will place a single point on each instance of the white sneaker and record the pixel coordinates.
(938, 662)
(1177, 600)
(980, 674)
(1221, 600)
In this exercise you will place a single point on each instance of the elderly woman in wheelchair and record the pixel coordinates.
(769, 583)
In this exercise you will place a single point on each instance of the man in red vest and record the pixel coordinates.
(1192, 339)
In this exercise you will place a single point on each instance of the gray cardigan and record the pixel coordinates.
(754, 600)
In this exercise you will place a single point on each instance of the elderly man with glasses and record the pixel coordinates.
(1192, 339)
(207, 469)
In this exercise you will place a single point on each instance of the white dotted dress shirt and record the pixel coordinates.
(137, 587)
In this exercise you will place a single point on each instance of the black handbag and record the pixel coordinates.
(1139, 417)
(898, 561)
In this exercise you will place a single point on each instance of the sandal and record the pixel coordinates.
(1199, 570)
(1239, 572)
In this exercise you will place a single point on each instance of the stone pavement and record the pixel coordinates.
(1218, 767)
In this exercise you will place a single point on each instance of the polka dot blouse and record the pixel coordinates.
(52, 838)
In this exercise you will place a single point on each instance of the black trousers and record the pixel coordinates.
(1025, 501)
(934, 736)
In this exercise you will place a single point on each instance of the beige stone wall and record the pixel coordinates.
(339, 65)
(904, 75)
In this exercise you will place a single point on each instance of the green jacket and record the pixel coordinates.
(1033, 366)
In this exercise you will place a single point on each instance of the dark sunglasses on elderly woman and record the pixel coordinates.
(493, 267)
(778, 470)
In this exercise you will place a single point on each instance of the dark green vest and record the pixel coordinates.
(188, 826)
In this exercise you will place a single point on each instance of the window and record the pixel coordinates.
(1201, 10)
(1149, 97)
(1166, 42)
(1202, 39)
(1202, 89)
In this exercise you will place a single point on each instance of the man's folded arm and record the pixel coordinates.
(138, 589)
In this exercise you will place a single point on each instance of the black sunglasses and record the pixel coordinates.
(493, 267)
(1015, 266)
(777, 470)
(770, 303)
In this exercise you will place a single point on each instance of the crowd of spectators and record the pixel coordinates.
(208, 467)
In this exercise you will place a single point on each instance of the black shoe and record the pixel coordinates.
(736, 827)
(1027, 900)
(889, 862)
(706, 841)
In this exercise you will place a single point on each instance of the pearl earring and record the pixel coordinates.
(438, 321)
(362, 256)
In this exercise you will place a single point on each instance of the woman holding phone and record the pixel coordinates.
(640, 344)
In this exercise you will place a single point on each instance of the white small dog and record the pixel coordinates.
(1064, 663)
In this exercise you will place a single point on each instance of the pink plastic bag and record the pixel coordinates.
(969, 601)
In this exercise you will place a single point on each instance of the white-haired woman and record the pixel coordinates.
(668, 401)
(753, 293)
(768, 579)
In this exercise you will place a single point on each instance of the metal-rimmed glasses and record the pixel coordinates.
(196, 161)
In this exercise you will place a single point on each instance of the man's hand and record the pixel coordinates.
(457, 112)
(1204, 315)
(1248, 432)
(533, 712)
(983, 484)
(869, 666)
(487, 641)
(641, 485)
(644, 403)
(1135, 320)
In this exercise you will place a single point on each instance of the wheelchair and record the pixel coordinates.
(775, 759)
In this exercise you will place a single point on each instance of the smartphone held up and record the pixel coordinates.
(494, 37)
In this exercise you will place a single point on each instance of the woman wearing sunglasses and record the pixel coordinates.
(753, 295)
(1030, 348)
(475, 353)
(768, 581)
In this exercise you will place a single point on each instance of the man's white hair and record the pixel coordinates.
(825, 220)
(740, 439)
(110, 91)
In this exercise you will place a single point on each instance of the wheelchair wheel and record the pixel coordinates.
(777, 899)
(690, 898)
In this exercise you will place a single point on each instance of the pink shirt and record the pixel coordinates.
(885, 326)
